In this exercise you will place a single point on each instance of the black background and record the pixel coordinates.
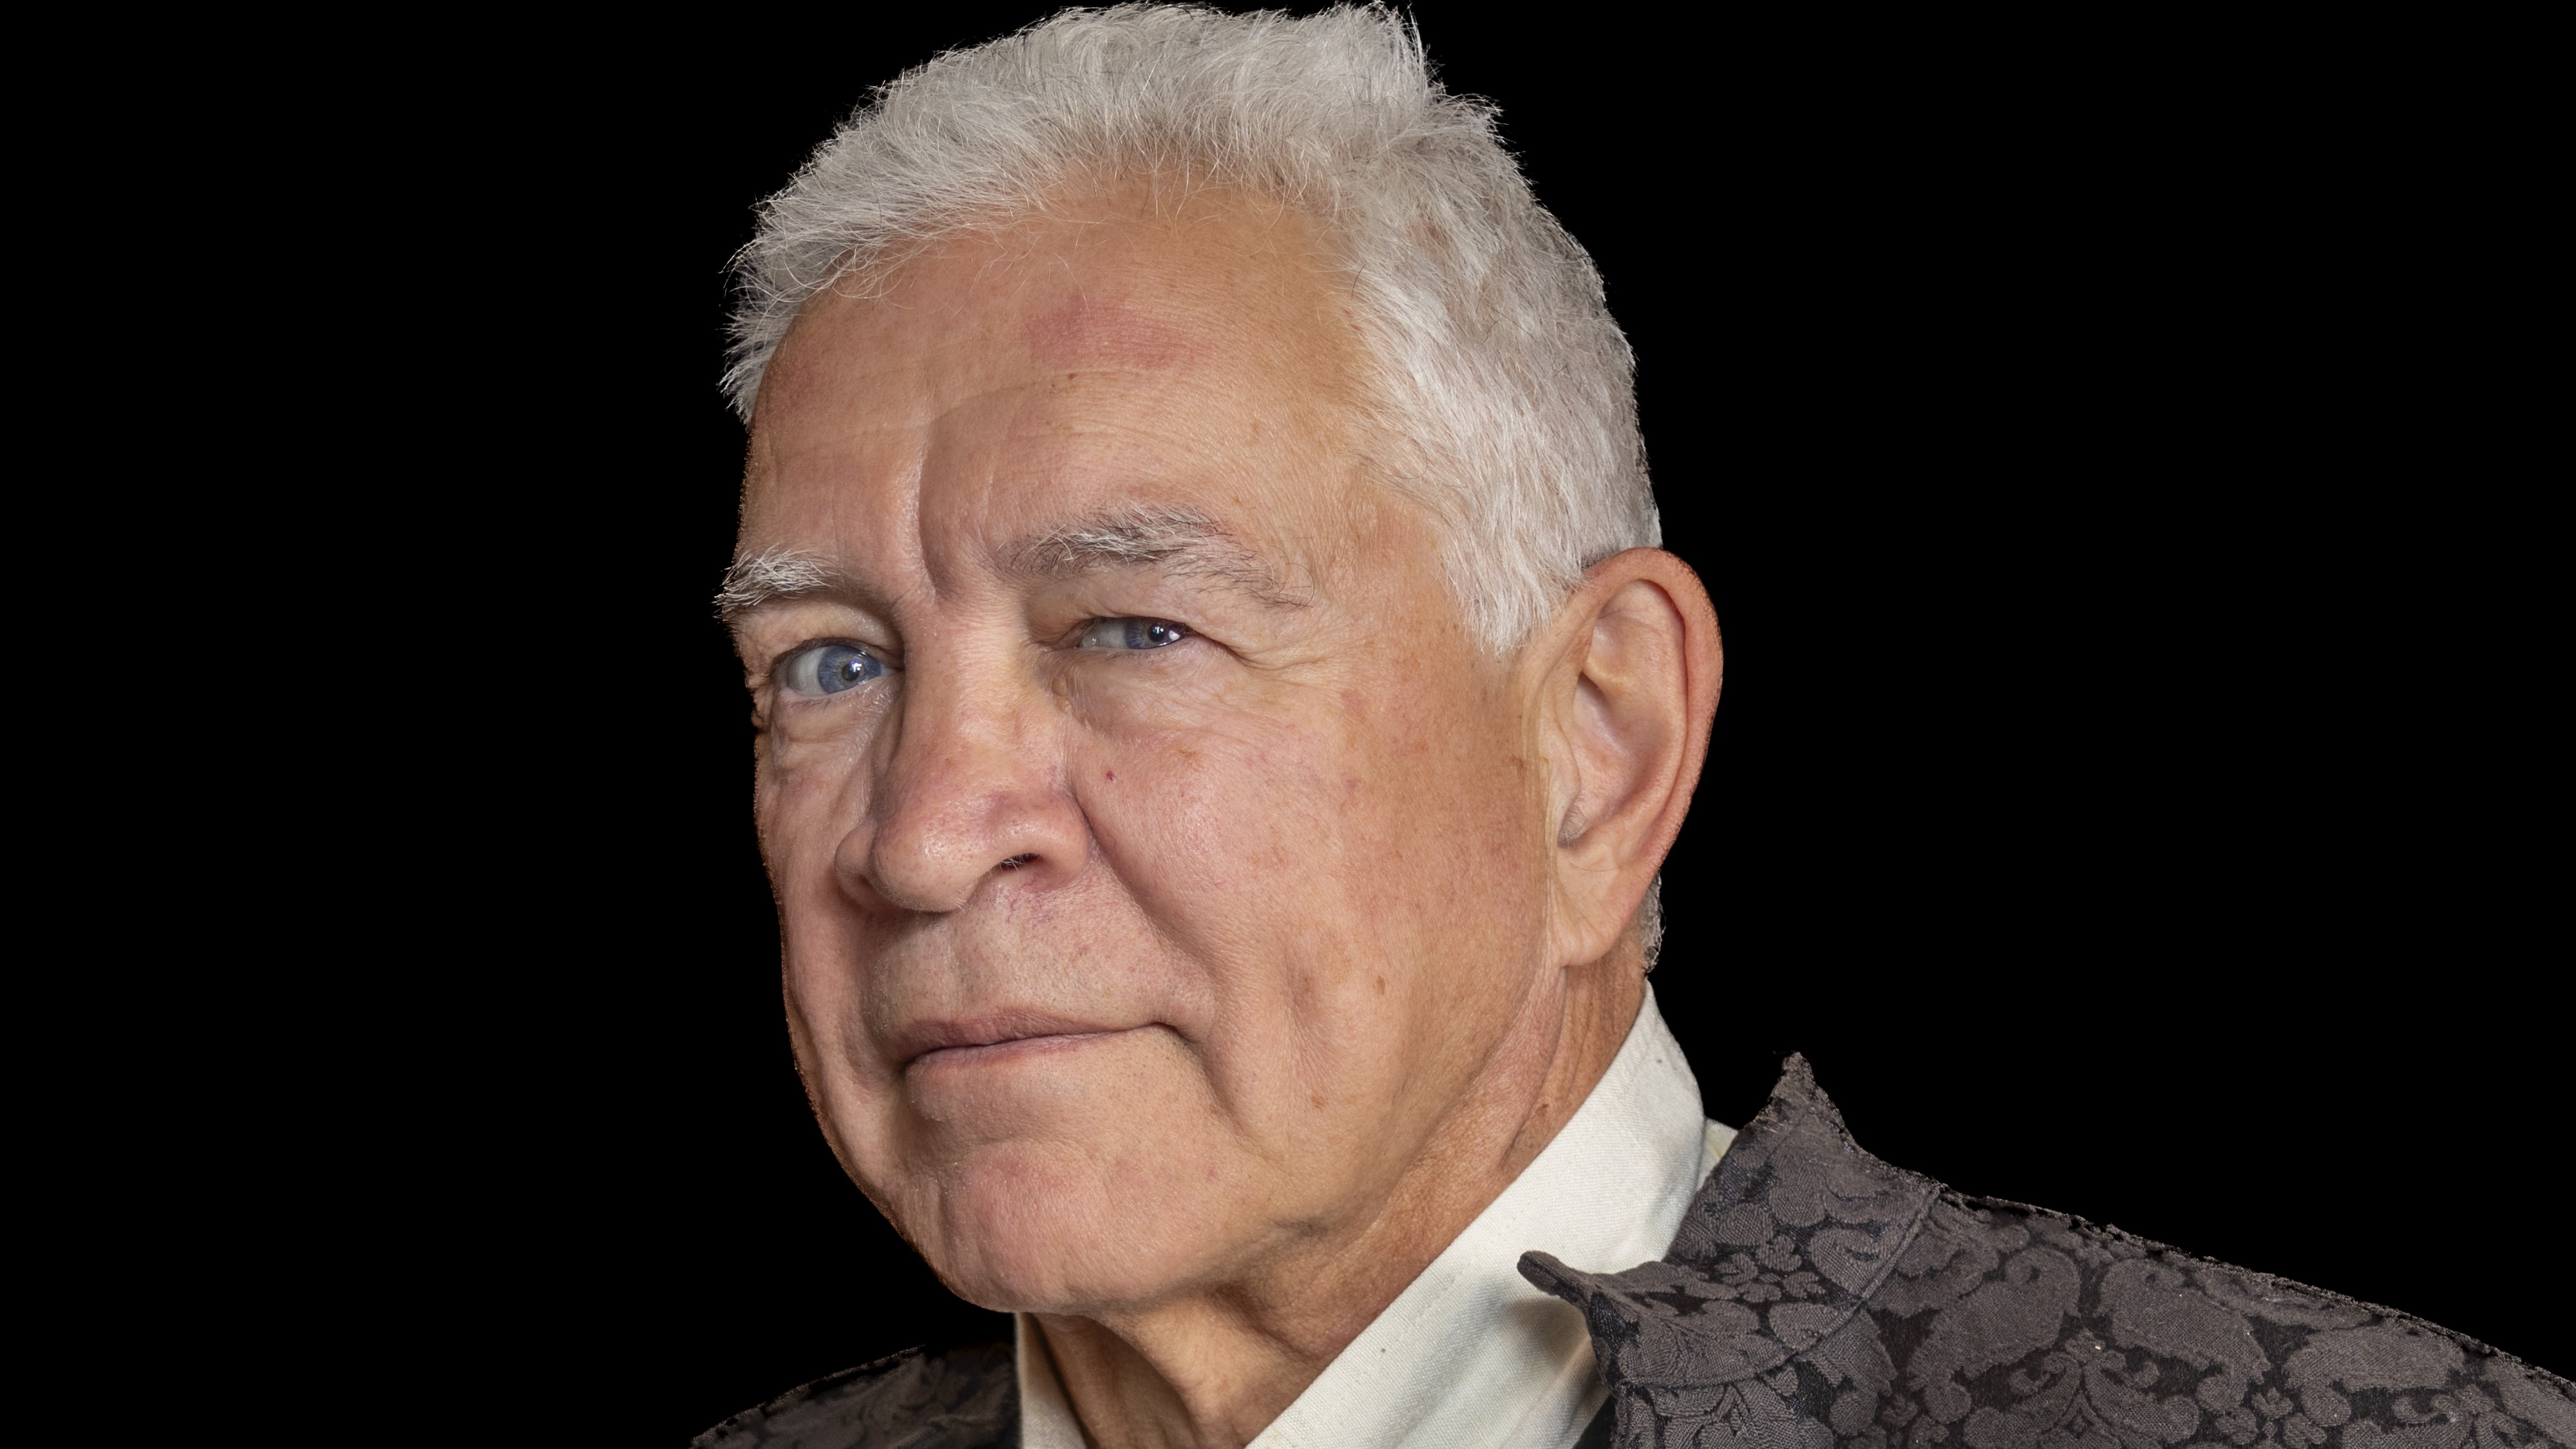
(2130, 785)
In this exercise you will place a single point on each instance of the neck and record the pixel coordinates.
(1211, 1369)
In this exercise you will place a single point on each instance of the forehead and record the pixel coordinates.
(1112, 351)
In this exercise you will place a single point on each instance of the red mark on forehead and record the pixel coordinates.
(1087, 333)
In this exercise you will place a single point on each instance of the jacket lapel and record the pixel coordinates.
(1786, 1242)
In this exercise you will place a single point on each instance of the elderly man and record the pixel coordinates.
(1221, 712)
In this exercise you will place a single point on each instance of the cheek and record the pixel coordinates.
(806, 794)
(1341, 870)
(810, 785)
(1218, 824)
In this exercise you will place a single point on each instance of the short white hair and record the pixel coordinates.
(1504, 393)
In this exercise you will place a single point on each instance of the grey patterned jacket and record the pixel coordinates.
(1816, 1296)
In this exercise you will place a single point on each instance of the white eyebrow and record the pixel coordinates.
(773, 573)
(1182, 539)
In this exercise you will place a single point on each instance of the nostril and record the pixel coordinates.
(1015, 862)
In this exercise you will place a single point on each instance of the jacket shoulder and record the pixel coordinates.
(2002, 1320)
(1817, 1296)
(966, 1398)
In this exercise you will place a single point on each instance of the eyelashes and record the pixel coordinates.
(1133, 634)
(837, 666)
(830, 668)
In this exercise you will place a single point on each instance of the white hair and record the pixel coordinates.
(1504, 394)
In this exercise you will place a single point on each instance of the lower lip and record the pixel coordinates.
(994, 1053)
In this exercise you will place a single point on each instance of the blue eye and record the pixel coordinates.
(828, 669)
(1133, 634)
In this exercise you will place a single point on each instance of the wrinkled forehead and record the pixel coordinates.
(1198, 356)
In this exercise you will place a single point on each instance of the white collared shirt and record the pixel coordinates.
(1470, 1356)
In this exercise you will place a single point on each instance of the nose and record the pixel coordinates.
(971, 789)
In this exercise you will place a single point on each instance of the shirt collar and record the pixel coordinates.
(1472, 1354)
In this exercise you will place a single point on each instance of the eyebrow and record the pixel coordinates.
(771, 575)
(1180, 541)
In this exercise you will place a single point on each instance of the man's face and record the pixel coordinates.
(1157, 855)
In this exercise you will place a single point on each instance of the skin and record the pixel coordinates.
(1191, 998)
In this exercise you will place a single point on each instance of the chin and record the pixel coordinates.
(1045, 1228)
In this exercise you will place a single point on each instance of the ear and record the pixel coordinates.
(1632, 666)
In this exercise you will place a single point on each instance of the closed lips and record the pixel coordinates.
(992, 1037)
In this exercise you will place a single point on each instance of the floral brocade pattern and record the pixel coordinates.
(962, 1399)
(1816, 1296)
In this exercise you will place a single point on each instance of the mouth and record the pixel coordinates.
(992, 1040)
